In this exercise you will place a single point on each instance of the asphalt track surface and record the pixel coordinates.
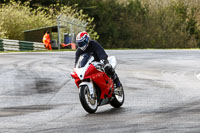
(162, 89)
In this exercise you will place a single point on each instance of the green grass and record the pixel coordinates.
(62, 50)
(38, 51)
(149, 48)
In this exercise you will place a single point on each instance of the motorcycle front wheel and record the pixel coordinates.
(88, 101)
(118, 98)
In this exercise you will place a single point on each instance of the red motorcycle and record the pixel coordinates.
(95, 87)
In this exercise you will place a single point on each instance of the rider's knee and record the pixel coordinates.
(109, 70)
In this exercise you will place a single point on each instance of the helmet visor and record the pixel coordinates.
(81, 44)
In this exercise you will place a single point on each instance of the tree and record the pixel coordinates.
(15, 17)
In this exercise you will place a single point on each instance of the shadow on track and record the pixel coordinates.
(22, 110)
(112, 111)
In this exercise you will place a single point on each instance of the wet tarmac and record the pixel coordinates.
(162, 94)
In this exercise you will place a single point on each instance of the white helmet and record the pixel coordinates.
(82, 40)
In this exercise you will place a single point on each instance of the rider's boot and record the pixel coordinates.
(117, 85)
(116, 81)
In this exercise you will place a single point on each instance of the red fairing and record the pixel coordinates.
(98, 77)
(75, 76)
(105, 83)
(90, 71)
(101, 79)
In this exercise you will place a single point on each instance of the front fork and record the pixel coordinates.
(90, 86)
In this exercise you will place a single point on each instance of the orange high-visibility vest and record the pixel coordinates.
(46, 39)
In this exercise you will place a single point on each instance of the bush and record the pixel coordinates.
(172, 24)
(16, 17)
(147, 24)
(120, 24)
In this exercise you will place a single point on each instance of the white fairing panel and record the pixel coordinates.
(90, 86)
(113, 61)
(81, 71)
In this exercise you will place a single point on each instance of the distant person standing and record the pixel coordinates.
(47, 40)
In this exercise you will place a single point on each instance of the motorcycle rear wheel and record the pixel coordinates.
(118, 99)
(88, 102)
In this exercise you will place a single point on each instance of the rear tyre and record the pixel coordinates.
(88, 102)
(118, 98)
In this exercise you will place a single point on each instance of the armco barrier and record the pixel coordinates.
(23, 45)
(39, 46)
(1, 45)
(10, 45)
(15, 45)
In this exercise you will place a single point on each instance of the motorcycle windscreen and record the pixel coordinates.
(83, 59)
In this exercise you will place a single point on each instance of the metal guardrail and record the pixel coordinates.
(16, 45)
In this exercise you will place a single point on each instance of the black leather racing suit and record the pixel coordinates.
(99, 54)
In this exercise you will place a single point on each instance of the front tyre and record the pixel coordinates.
(88, 102)
(118, 97)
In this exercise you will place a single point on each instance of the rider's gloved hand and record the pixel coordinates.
(104, 62)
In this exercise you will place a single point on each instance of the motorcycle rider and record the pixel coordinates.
(86, 45)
